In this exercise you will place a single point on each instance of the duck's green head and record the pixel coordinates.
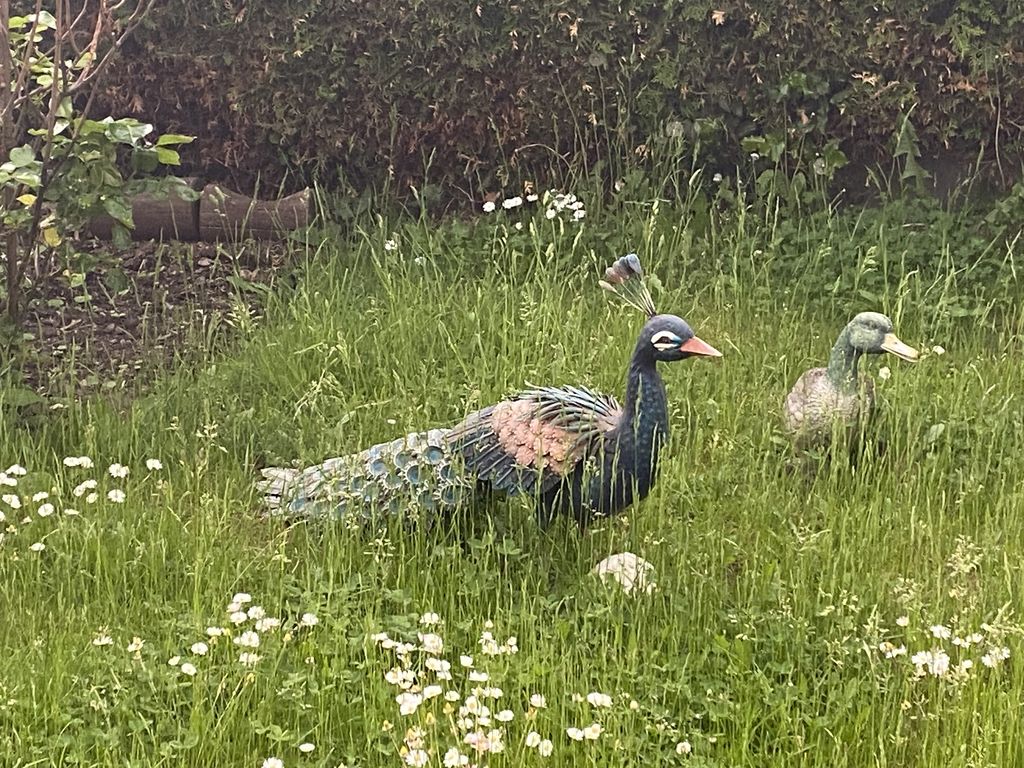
(871, 333)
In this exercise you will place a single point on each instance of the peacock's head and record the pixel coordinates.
(670, 338)
(664, 337)
(872, 334)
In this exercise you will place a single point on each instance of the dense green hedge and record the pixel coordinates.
(364, 90)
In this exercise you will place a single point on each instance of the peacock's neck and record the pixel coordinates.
(842, 363)
(644, 426)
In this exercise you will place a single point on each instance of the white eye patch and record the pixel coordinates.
(665, 340)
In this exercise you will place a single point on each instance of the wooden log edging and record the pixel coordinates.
(218, 214)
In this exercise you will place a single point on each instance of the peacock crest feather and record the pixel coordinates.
(625, 279)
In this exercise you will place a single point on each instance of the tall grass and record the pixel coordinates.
(764, 643)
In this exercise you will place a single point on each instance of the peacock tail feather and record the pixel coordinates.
(416, 472)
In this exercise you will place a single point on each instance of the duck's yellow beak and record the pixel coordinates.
(893, 345)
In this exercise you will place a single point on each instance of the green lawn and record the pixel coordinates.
(765, 641)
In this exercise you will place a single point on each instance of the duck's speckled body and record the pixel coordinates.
(824, 399)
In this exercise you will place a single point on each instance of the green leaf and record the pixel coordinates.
(174, 138)
(167, 156)
(22, 156)
(118, 210)
(16, 397)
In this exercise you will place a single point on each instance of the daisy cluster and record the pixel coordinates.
(458, 712)
(455, 712)
(247, 635)
(557, 205)
(31, 507)
(939, 652)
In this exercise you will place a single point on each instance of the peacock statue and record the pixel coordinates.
(824, 398)
(576, 451)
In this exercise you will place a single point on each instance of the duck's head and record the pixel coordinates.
(871, 333)
(669, 338)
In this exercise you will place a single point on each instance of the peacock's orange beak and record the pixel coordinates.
(695, 346)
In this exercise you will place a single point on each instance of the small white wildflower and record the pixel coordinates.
(256, 612)
(390, 245)
(242, 598)
(116, 495)
(267, 624)
(936, 662)
(994, 656)
(40, 496)
(489, 206)
(593, 731)
(248, 640)
(466, 661)
(82, 487)
(233, 607)
(45, 510)
(576, 734)
(578, 214)
(408, 702)
(78, 461)
(10, 482)
(306, 747)
(518, 226)
(683, 748)
(92, 498)
(532, 197)
(597, 699)
(533, 739)
(938, 350)
(478, 677)
(136, 645)
(512, 202)
(941, 632)
(238, 617)
(16, 470)
(188, 669)
(273, 762)
(451, 696)
(550, 213)
(11, 500)
(248, 659)
(545, 748)
(102, 639)
(200, 648)
(72, 512)
(504, 716)
(903, 621)
(431, 691)
(884, 373)
(537, 701)
(431, 643)
(429, 619)
(310, 620)
(154, 465)
(37, 547)
(716, 178)
(215, 631)
(118, 471)
(454, 759)
(755, 156)
(174, 661)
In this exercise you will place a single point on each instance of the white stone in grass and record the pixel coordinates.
(629, 571)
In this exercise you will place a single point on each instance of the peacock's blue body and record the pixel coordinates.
(575, 451)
